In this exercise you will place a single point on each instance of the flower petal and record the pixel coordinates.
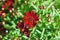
(30, 24)
(25, 23)
(26, 13)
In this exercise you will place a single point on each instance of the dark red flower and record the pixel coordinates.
(26, 32)
(23, 29)
(7, 3)
(2, 29)
(20, 25)
(30, 18)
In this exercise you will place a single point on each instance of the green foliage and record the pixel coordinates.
(43, 30)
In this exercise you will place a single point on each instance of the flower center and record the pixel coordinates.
(30, 19)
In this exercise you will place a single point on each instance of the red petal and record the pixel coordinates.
(19, 25)
(25, 23)
(30, 24)
(31, 12)
(3, 6)
(9, 3)
(27, 14)
(25, 18)
(5, 3)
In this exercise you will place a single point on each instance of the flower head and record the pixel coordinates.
(2, 29)
(7, 3)
(23, 29)
(30, 18)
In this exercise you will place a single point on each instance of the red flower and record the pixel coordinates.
(2, 29)
(19, 25)
(30, 18)
(23, 29)
(7, 3)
